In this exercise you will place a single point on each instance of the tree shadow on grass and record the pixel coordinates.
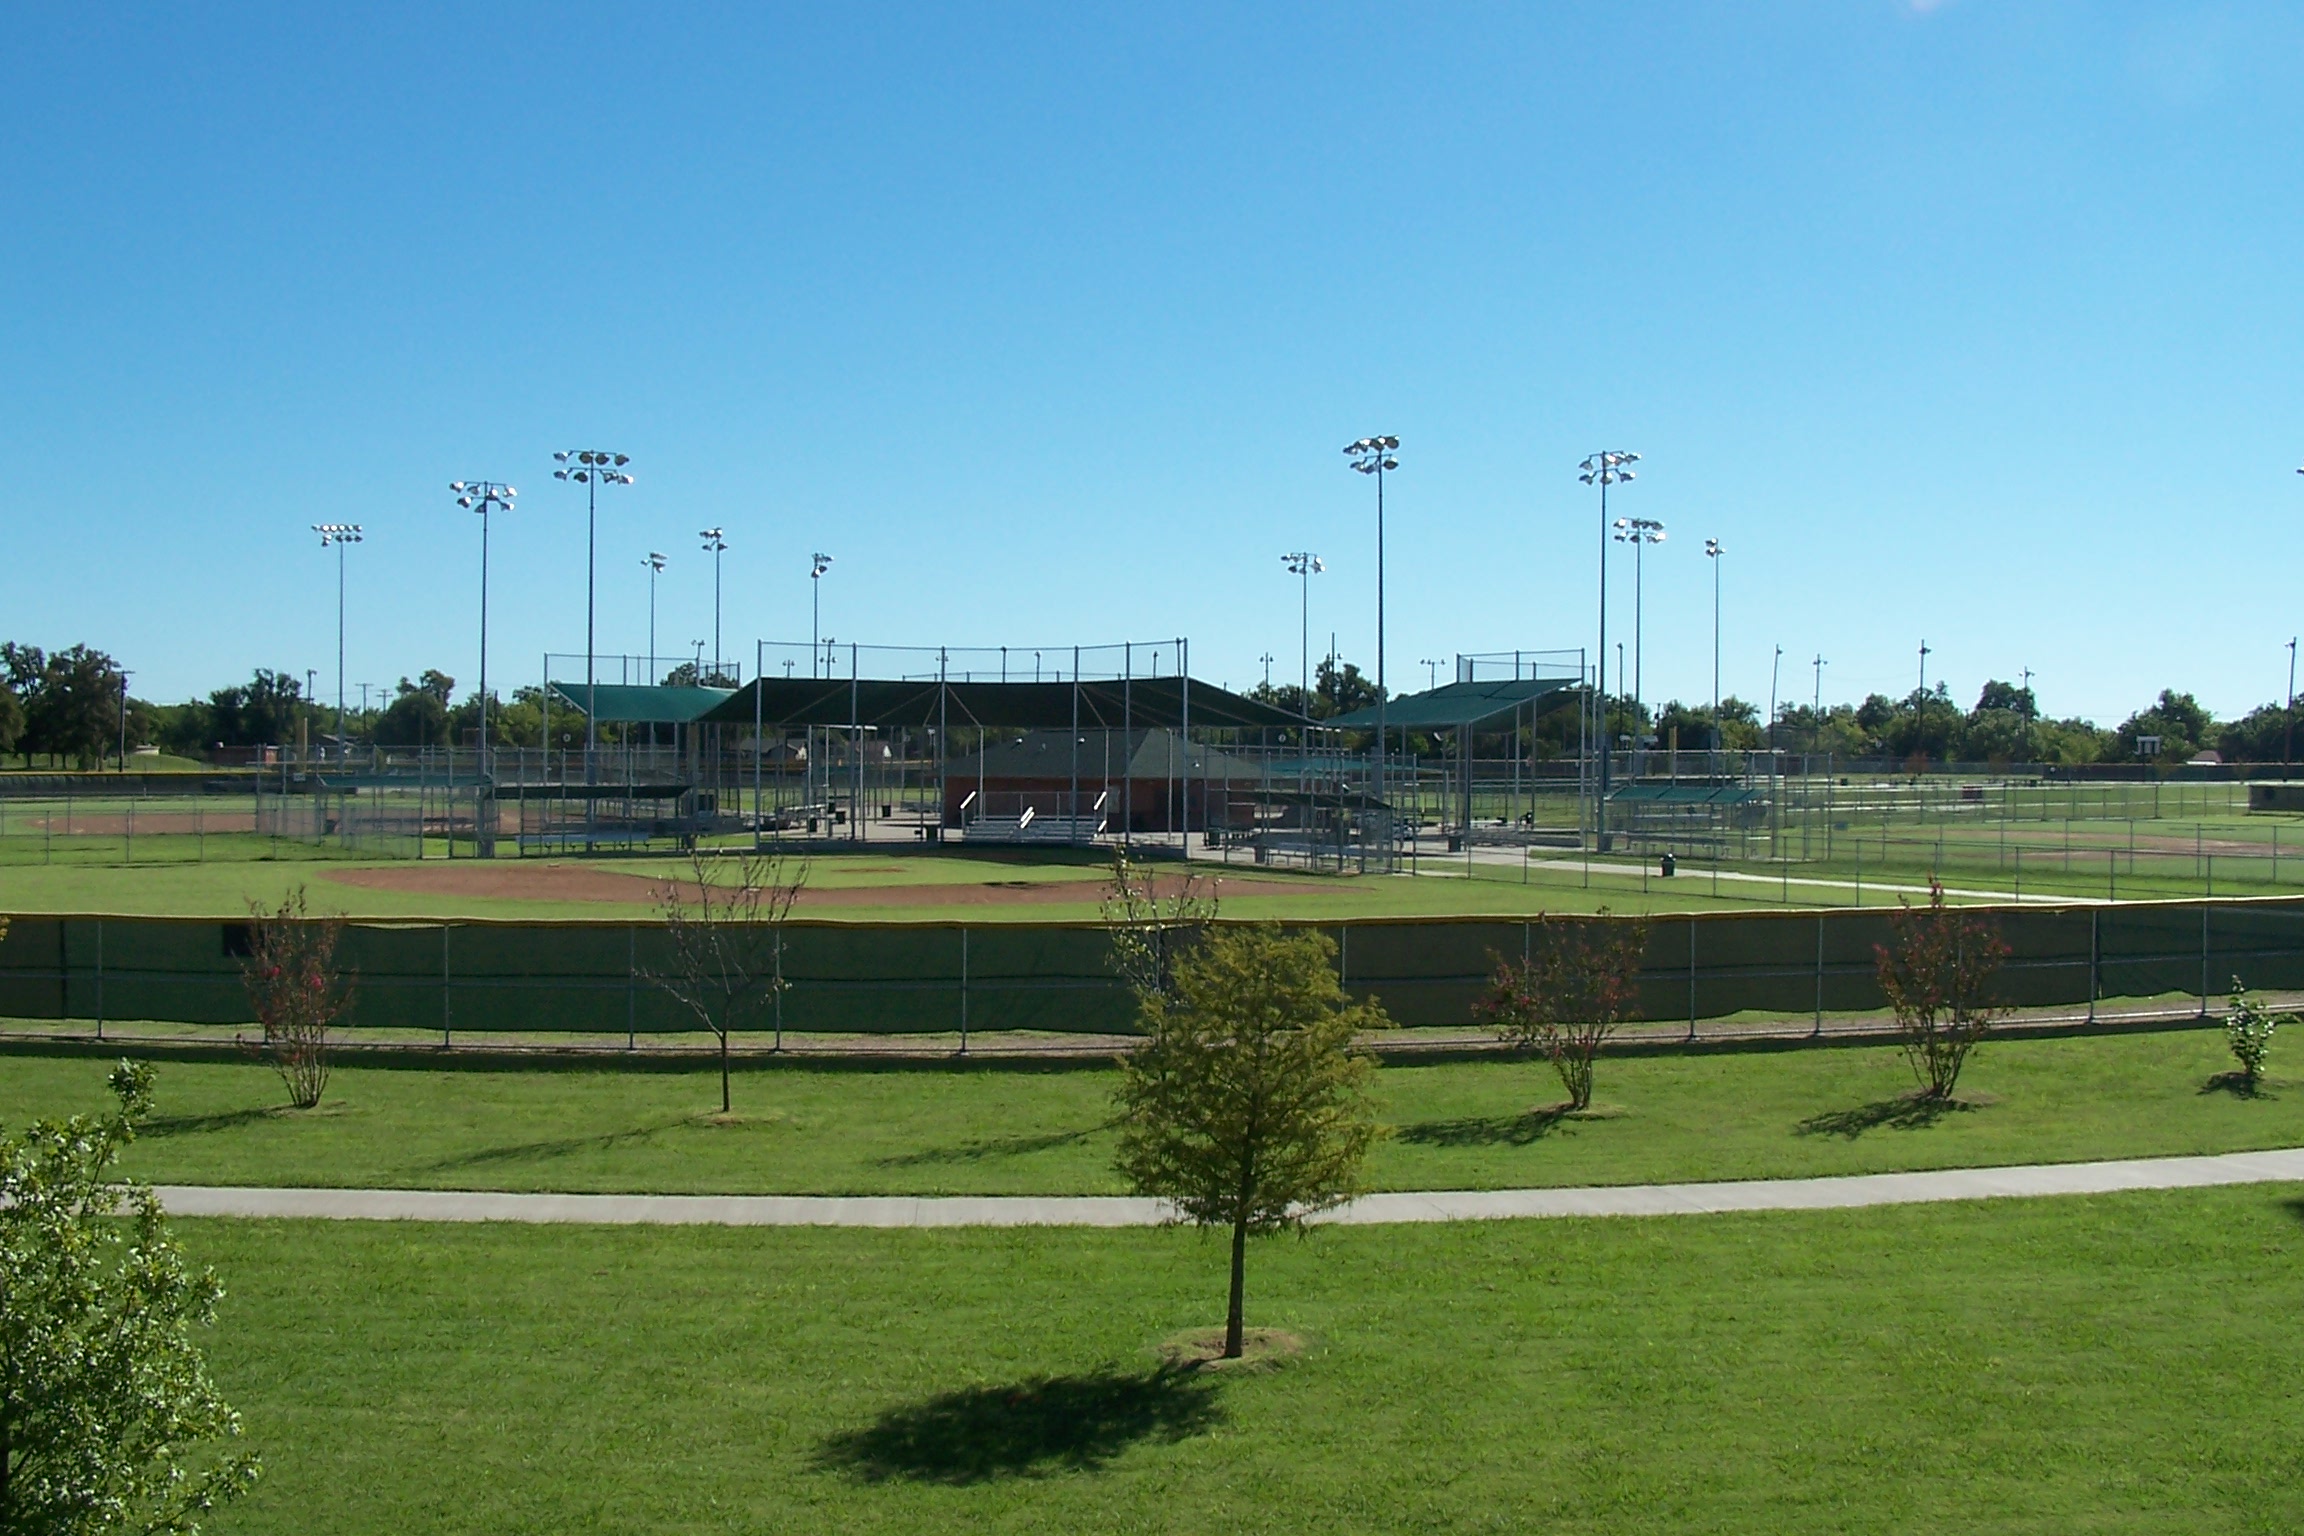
(1028, 1428)
(2237, 1085)
(991, 1147)
(1486, 1130)
(1904, 1112)
(200, 1125)
(559, 1146)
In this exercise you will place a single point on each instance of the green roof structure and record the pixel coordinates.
(1454, 706)
(638, 704)
(1102, 704)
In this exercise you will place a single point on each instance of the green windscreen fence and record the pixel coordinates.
(522, 978)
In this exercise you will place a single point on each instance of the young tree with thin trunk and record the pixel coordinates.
(1580, 980)
(1937, 972)
(1246, 1105)
(1149, 928)
(107, 1411)
(726, 926)
(297, 990)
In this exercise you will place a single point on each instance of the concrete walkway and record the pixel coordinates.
(1123, 1211)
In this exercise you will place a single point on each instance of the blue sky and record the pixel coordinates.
(1977, 322)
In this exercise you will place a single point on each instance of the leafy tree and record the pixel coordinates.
(261, 712)
(296, 990)
(11, 718)
(2248, 1029)
(1937, 972)
(1246, 1106)
(70, 701)
(2176, 718)
(727, 940)
(1340, 690)
(1924, 726)
(106, 1407)
(418, 713)
(2262, 735)
(2008, 696)
(1580, 980)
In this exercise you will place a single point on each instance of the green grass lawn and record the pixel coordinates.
(1008, 1129)
(2112, 1364)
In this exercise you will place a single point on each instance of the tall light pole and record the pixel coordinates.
(125, 674)
(1266, 658)
(591, 468)
(1639, 532)
(2028, 709)
(655, 563)
(1713, 550)
(1373, 456)
(1304, 565)
(483, 497)
(1774, 667)
(818, 564)
(1816, 708)
(1431, 671)
(338, 534)
(715, 546)
(1604, 469)
(2288, 745)
(1923, 670)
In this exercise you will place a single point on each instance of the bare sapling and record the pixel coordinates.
(1150, 929)
(725, 922)
(1580, 981)
(1937, 973)
(297, 990)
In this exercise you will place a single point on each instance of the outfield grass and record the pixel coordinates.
(1441, 889)
(2110, 1364)
(860, 1129)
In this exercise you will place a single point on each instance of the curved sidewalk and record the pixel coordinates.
(1125, 1211)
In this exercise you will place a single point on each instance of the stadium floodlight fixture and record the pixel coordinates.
(483, 497)
(339, 535)
(715, 545)
(1304, 565)
(591, 468)
(1374, 456)
(1431, 671)
(655, 563)
(1639, 532)
(1610, 466)
(818, 564)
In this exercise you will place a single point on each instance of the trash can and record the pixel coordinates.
(1668, 865)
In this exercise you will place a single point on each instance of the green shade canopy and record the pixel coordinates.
(635, 704)
(783, 702)
(1452, 706)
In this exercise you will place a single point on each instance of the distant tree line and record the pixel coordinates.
(64, 709)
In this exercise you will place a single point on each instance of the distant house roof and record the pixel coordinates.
(1102, 755)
